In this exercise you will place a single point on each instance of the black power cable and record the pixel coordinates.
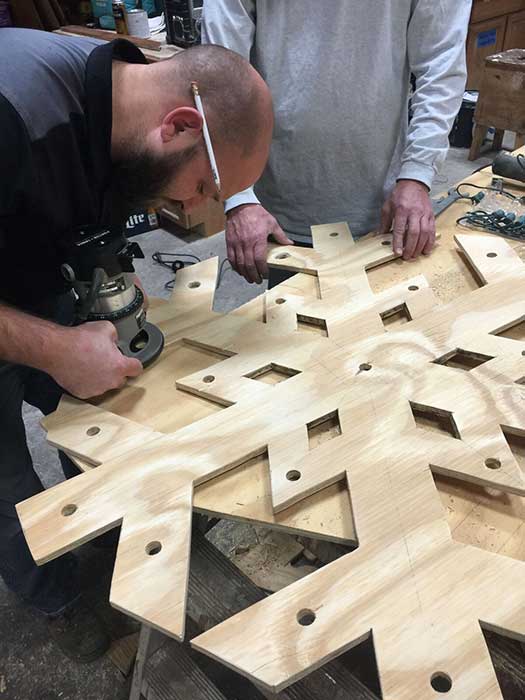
(503, 223)
(173, 262)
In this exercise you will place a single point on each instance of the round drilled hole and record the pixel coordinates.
(523, 352)
(334, 234)
(386, 242)
(69, 510)
(492, 255)
(280, 300)
(194, 285)
(413, 288)
(208, 379)
(282, 256)
(441, 682)
(153, 548)
(365, 367)
(305, 617)
(94, 430)
(293, 475)
(492, 463)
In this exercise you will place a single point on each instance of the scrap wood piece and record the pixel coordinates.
(268, 561)
(110, 36)
(404, 551)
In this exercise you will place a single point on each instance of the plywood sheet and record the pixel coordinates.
(421, 593)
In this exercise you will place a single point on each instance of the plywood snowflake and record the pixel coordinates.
(423, 596)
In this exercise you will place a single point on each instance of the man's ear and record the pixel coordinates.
(182, 121)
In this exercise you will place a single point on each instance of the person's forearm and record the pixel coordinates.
(84, 360)
(436, 47)
(29, 340)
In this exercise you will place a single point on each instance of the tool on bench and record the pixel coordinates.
(99, 266)
(439, 205)
(504, 165)
(509, 166)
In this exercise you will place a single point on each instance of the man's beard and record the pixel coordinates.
(140, 180)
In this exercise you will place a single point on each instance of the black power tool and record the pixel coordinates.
(99, 266)
(509, 166)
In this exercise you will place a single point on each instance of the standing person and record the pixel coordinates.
(90, 133)
(339, 73)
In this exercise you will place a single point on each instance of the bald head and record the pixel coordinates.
(236, 100)
(157, 143)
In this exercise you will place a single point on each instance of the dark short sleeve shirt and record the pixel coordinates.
(55, 152)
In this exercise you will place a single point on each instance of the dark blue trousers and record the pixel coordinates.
(53, 587)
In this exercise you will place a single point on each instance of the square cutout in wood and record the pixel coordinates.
(434, 420)
(312, 325)
(323, 429)
(463, 359)
(272, 374)
(395, 317)
(515, 332)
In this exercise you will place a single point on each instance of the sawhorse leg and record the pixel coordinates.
(150, 641)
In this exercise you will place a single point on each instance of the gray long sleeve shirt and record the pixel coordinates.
(339, 72)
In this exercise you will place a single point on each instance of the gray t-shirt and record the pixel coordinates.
(339, 72)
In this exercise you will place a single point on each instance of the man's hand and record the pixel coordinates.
(409, 212)
(86, 361)
(247, 230)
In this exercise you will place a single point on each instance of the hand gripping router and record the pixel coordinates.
(99, 266)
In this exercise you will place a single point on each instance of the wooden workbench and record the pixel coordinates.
(161, 53)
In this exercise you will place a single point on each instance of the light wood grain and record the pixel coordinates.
(413, 582)
(241, 494)
(106, 35)
(141, 488)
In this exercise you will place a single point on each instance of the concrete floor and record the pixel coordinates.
(31, 668)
